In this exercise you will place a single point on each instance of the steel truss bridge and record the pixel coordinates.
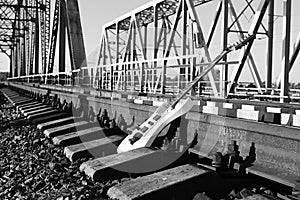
(157, 48)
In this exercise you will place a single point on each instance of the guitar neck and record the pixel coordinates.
(199, 77)
(234, 47)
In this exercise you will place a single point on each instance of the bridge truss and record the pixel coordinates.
(25, 32)
(161, 46)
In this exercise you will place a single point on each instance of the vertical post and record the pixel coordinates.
(183, 44)
(192, 74)
(37, 40)
(269, 69)
(165, 32)
(155, 45)
(224, 72)
(23, 69)
(296, 52)
(11, 63)
(18, 58)
(117, 45)
(104, 79)
(142, 67)
(135, 27)
(287, 6)
(117, 48)
(62, 38)
(155, 32)
(145, 40)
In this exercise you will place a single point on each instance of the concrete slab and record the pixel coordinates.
(144, 187)
(261, 108)
(28, 105)
(249, 114)
(53, 132)
(274, 174)
(34, 108)
(12, 96)
(48, 118)
(226, 112)
(41, 110)
(94, 148)
(22, 102)
(296, 120)
(83, 135)
(273, 110)
(286, 119)
(20, 99)
(58, 122)
(211, 103)
(112, 166)
(228, 105)
(210, 110)
(274, 118)
(248, 107)
(43, 114)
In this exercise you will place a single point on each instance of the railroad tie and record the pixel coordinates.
(52, 117)
(93, 148)
(119, 165)
(38, 111)
(83, 136)
(60, 130)
(43, 114)
(29, 105)
(154, 186)
(54, 123)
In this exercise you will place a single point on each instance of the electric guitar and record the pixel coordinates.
(145, 134)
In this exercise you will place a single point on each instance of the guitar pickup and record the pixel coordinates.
(151, 123)
(157, 117)
(144, 129)
(135, 138)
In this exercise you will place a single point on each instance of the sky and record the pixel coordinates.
(96, 13)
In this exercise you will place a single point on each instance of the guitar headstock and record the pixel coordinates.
(241, 43)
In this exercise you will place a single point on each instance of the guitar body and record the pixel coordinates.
(145, 135)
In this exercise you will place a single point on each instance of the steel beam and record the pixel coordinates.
(252, 31)
(252, 65)
(77, 46)
(215, 22)
(224, 74)
(269, 67)
(194, 17)
(16, 19)
(292, 60)
(62, 36)
(37, 44)
(296, 53)
(287, 9)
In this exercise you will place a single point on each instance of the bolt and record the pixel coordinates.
(217, 160)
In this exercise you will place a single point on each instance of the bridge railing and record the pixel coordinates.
(52, 79)
(163, 75)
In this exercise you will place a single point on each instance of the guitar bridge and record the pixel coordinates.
(135, 138)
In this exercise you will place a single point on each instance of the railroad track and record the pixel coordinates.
(146, 173)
